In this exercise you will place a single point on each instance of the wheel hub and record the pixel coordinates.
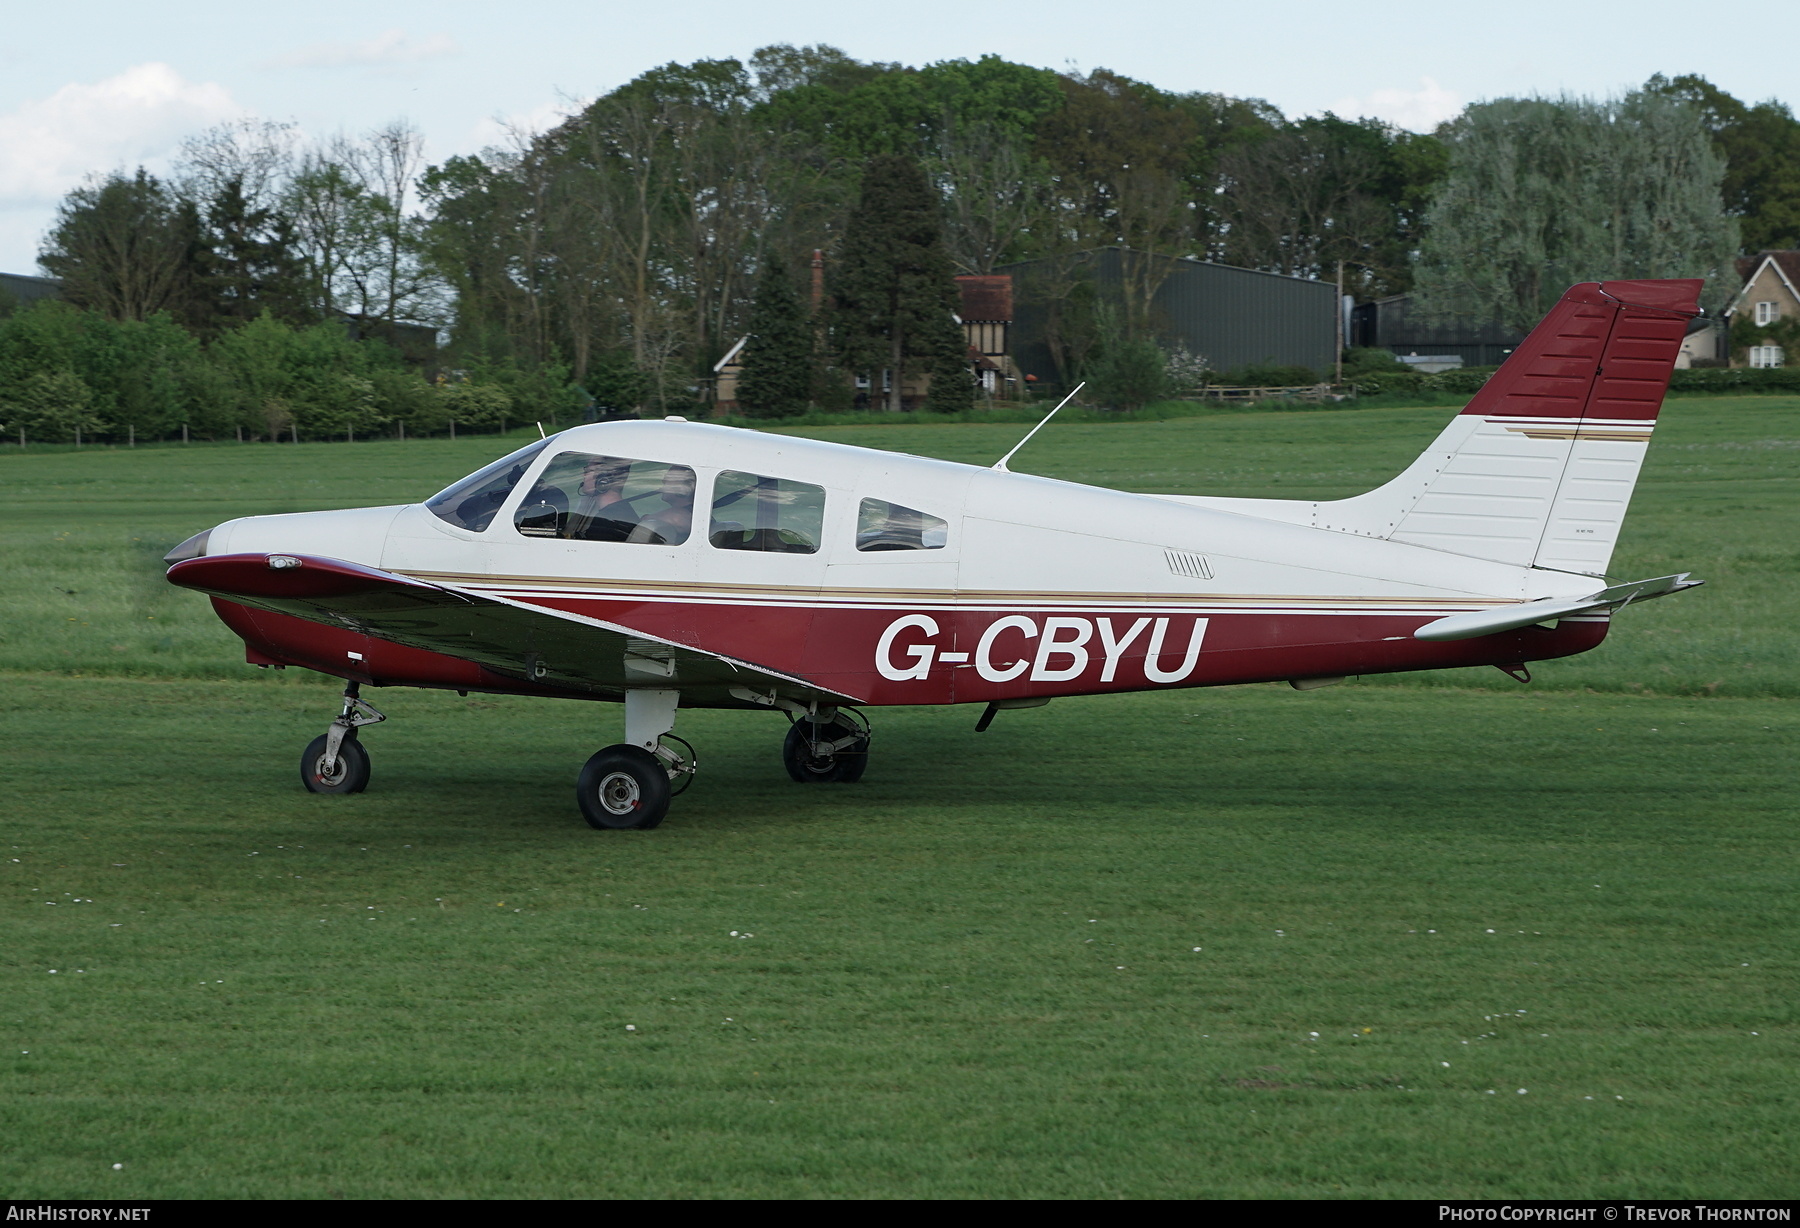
(619, 793)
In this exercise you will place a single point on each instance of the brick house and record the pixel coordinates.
(1768, 302)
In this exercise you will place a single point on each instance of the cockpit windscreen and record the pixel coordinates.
(472, 502)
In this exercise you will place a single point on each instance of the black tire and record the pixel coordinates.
(623, 788)
(842, 767)
(352, 775)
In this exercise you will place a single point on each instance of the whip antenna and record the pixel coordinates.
(1000, 465)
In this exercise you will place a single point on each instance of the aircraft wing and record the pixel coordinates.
(512, 638)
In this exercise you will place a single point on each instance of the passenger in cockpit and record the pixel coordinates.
(670, 524)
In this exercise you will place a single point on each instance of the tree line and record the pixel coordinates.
(265, 287)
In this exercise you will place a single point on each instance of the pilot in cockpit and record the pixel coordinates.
(600, 512)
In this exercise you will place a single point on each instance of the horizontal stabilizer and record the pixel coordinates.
(1512, 617)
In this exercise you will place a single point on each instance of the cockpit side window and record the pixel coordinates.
(471, 503)
(583, 497)
(881, 525)
(774, 515)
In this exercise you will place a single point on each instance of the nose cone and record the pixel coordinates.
(193, 548)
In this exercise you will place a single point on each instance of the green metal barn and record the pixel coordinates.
(1231, 317)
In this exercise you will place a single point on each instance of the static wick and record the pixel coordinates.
(1000, 465)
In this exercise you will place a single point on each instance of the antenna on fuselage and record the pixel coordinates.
(541, 435)
(1000, 465)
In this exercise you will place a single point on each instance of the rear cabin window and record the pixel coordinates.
(583, 497)
(472, 502)
(774, 515)
(881, 525)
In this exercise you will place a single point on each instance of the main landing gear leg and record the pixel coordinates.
(629, 786)
(336, 761)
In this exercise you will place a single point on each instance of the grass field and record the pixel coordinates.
(973, 975)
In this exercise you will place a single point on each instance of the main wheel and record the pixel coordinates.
(812, 755)
(350, 775)
(623, 787)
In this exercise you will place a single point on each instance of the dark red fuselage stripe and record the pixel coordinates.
(836, 648)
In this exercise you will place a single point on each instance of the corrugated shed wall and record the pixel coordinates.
(17, 290)
(1231, 316)
(1386, 323)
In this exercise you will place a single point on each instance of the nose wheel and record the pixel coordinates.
(347, 773)
(827, 746)
(335, 762)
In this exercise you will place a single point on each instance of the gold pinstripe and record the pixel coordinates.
(838, 595)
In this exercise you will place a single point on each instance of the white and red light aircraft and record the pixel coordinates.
(669, 564)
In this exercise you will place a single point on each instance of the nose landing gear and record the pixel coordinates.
(827, 744)
(336, 762)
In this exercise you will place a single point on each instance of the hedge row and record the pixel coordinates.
(1466, 381)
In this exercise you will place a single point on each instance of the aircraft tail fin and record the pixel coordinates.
(1538, 469)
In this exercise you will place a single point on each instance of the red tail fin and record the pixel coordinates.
(1605, 351)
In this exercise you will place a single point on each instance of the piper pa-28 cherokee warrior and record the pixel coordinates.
(669, 564)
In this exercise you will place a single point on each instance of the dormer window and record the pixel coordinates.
(1767, 313)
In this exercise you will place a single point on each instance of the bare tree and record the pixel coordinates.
(322, 202)
(256, 154)
(387, 162)
(1303, 197)
(995, 193)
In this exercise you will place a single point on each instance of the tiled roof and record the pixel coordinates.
(988, 299)
(1788, 260)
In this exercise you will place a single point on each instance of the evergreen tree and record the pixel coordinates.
(893, 290)
(778, 359)
(953, 384)
(249, 263)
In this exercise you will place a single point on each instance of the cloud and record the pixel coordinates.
(1420, 110)
(388, 47)
(49, 145)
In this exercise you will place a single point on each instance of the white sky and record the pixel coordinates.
(94, 87)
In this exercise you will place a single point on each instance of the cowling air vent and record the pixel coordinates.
(1188, 566)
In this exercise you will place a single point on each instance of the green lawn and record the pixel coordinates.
(972, 975)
